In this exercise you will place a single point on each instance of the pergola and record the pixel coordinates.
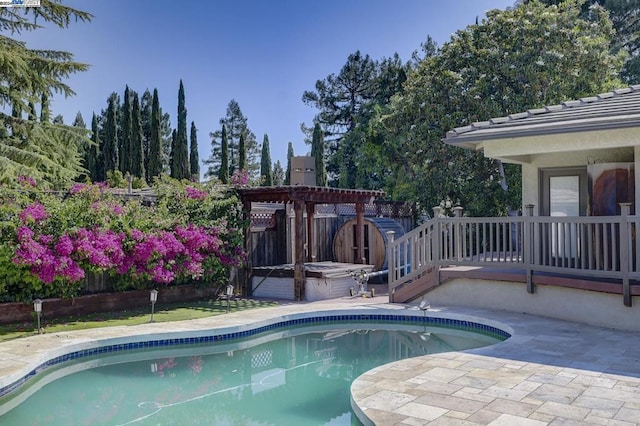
(305, 198)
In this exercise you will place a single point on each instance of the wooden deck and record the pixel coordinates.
(589, 253)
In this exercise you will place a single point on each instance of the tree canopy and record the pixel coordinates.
(389, 136)
(42, 149)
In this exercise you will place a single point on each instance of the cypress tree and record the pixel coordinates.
(155, 140)
(194, 159)
(223, 173)
(145, 119)
(317, 152)
(125, 150)
(137, 150)
(84, 146)
(180, 155)
(110, 152)
(287, 175)
(173, 151)
(92, 160)
(242, 154)
(265, 163)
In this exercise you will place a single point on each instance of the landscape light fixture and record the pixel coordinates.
(424, 306)
(153, 296)
(37, 307)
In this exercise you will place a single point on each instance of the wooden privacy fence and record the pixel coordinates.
(604, 247)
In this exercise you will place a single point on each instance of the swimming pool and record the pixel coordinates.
(257, 375)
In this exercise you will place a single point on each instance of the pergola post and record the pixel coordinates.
(360, 233)
(298, 267)
(245, 280)
(311, 246)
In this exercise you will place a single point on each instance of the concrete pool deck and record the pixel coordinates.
(549, 372)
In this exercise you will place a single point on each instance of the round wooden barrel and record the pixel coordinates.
(375, 241)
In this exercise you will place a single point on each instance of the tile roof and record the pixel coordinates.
(620, 108)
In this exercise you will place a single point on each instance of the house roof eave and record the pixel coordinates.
(474, 138)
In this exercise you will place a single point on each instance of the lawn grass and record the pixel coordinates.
(163, 313)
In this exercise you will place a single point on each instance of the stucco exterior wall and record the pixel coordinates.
(561, 143)
(531, 170)
(588, 307)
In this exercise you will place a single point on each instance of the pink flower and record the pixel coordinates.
(78, 187)
(118, 209)
(195, 194)
(34, 212)
(240, 178)
(26, 181)
(64, 247)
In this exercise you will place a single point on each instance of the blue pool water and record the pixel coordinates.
(290, 376)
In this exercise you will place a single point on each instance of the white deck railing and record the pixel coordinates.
(602, 246)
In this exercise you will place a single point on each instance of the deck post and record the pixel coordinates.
(245, 278)
(624, 251)
(457, 212)
(437, 236)
(528, 247)
(391, 264)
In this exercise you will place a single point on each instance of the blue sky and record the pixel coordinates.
(262, 53)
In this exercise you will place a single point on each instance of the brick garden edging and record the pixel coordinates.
(103, 302)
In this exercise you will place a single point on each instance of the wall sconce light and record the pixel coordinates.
(37, 307)
(153, 296)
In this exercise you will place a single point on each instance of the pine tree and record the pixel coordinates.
(180, 152)
(242, 154)
(155, 140)
(32, 111)
(137, 150)
(42, 150)
(265, 163)
(236, 125)
(317, 152)
(92, 161)
(278, 174)
(194, 160)
(110, 154)
(287, 175)
(125, 149)
(45, 110)
(223, 173)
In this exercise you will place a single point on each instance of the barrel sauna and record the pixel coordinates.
(375, 241)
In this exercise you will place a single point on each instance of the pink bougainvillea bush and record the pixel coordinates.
(49, 242)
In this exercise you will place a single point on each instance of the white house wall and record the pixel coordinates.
(588, 307)
(636, 173)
